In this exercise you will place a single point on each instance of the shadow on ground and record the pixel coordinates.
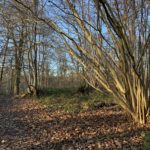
(26, 124)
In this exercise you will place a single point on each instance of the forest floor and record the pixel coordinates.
(27, 124)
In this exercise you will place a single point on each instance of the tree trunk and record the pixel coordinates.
(35, 62)
(17, 80)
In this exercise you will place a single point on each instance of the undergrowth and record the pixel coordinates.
(147, 141)
(70, 100)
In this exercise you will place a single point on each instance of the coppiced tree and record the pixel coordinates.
(118, 53)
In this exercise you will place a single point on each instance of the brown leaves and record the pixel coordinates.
(30, 125)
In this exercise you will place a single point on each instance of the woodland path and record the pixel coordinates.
(27, 125)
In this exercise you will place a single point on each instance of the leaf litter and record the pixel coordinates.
(27, 124)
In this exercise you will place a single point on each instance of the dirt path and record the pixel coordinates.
(27, 124)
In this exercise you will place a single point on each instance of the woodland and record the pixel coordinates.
(74, 74)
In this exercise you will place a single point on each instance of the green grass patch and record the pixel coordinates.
(147, 141)
(69, 100)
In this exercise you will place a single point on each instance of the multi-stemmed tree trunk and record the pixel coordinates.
(117, 55)
(121, 62)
